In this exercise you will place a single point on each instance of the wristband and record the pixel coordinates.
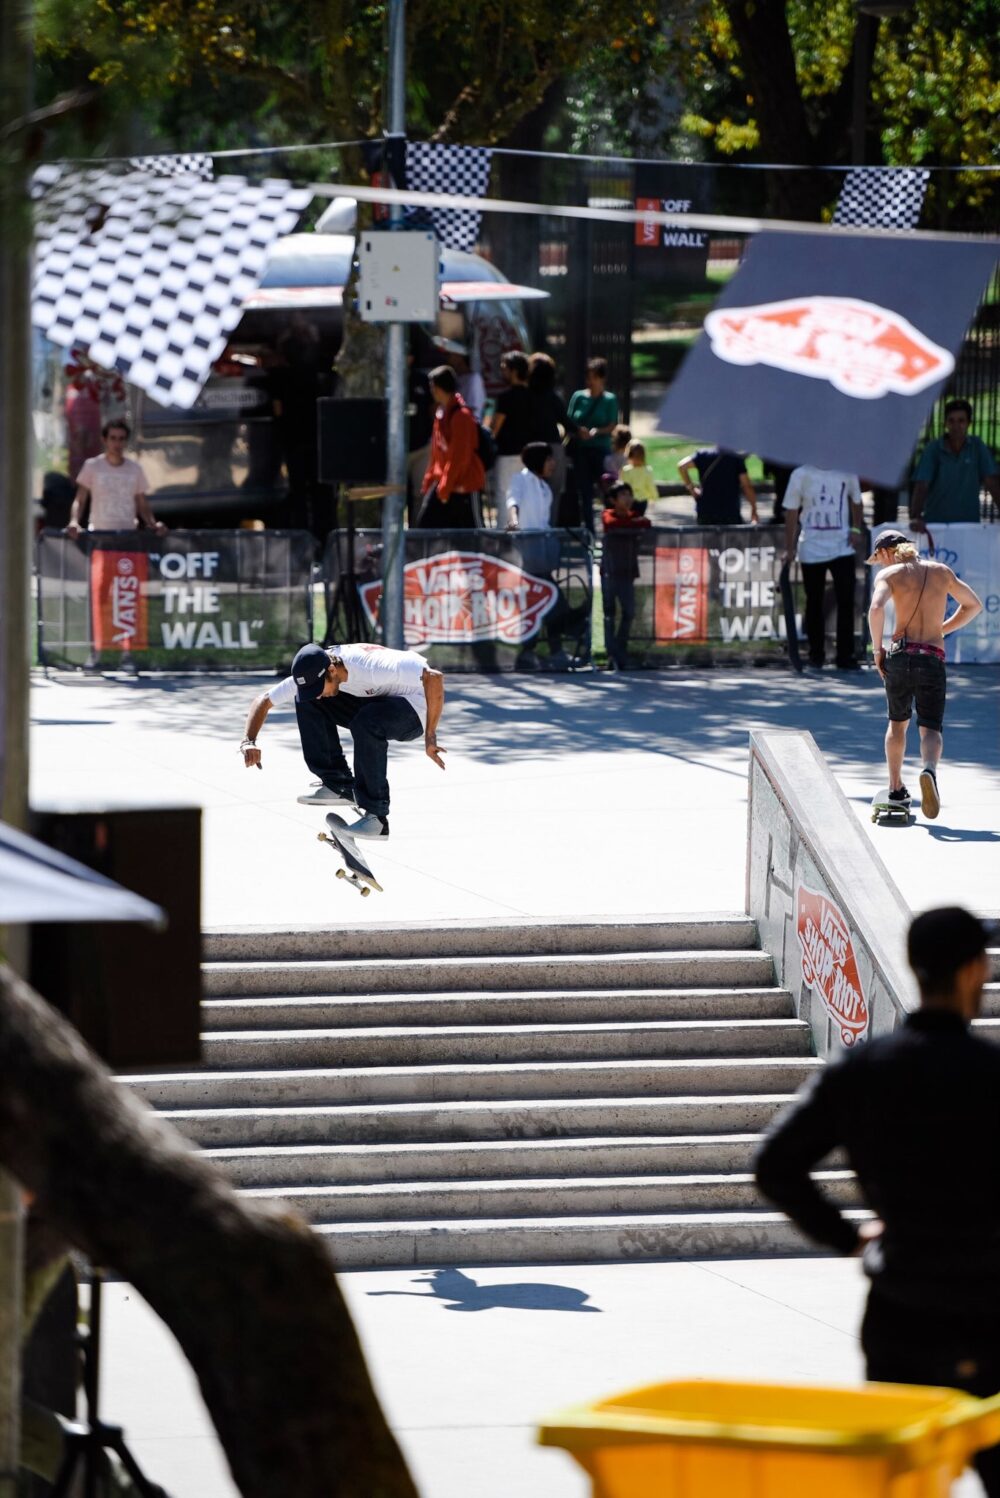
(248, 744)
(855, 530)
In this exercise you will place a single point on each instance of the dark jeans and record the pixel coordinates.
(904, 1345)
(372, 722)
(620, 590)
(457, 512)
(814, 581)
(588, 465)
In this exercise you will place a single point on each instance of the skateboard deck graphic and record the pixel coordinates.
(791, 622)
(884, 810)
(356, 871)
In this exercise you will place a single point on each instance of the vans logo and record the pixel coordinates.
(863, 350)
(117, 599)
(829, 966)
(460, 597)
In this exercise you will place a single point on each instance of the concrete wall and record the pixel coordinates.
(825, 904)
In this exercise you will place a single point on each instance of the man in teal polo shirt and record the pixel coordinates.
(951, 472)
(592, 414)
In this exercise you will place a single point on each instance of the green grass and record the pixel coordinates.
(663, 454)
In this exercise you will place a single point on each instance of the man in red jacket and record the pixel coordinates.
(455, 475)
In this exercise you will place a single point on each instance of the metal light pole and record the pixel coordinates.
(868, 15)
(394, 505)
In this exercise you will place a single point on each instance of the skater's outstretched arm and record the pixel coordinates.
(259, 709)
(433, 683)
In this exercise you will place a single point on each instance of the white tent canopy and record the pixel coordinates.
(39, 884)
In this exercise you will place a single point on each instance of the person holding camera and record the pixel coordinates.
(912, 667)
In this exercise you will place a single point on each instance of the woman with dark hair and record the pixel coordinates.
(548, 419)
(455, 475)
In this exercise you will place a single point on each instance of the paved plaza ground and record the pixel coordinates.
(589, 794)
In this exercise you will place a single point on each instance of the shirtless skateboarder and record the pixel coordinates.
(912, 667)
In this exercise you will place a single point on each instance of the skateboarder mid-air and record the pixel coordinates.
(912, 667)
(378, 695)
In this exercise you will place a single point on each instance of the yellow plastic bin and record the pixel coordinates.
(701, 1439)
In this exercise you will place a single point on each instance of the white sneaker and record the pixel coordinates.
(370, 825)
(322, 796)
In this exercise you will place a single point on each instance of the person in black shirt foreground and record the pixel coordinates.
(917, 1113)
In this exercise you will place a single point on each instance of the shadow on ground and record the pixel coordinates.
(692, 715)
(459, 1292)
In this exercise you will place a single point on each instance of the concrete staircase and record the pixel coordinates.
(533, 1092)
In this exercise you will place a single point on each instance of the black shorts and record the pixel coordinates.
(915, 678)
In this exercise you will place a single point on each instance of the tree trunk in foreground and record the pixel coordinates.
(249, 1293)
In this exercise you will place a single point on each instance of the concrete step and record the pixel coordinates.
(478, 1160)
(442, 1044)
(661, 969)
(536, 1006)
(566, 1240)
(437, 1122)
(581, 1197)
(480, 938)
(499, 1082)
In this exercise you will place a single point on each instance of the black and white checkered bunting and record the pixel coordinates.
(149, 272)
(193, 164)
(463, 170)
(883, 198)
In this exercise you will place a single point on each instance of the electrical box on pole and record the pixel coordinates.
(399, 276)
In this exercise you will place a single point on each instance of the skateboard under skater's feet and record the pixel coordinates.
(884, 810)
(356, 871)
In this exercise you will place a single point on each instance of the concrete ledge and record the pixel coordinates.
(825, 904)
(631, 933)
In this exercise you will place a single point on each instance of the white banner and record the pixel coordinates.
(973, 554)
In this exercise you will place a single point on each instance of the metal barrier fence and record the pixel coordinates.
(190, 599)
(482, 600)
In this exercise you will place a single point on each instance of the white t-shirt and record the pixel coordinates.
(372, 671)
(533, 499)
(824, 499)
(113, 488)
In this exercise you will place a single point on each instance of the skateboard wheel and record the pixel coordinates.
(365, 891)
(874, 816)
(341, 874)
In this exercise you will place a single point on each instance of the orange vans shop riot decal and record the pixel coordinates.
(829, 966)
(862, 349)
(461, 597)
(118, 599)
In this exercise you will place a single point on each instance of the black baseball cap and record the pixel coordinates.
(309, 670)
(887, 541)
(941, 941)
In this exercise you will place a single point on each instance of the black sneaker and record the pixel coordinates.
(901, 795)
(930, 801)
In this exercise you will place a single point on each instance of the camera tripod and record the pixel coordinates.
(87, 1440)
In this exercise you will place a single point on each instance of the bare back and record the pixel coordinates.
(920, 593)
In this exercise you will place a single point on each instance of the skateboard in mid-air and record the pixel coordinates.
(791, 621)
(884, 810)
(356, 871)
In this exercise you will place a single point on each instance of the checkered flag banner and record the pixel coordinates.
(463, 170)
(191, 165)
(147, 272)
(885, 198)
